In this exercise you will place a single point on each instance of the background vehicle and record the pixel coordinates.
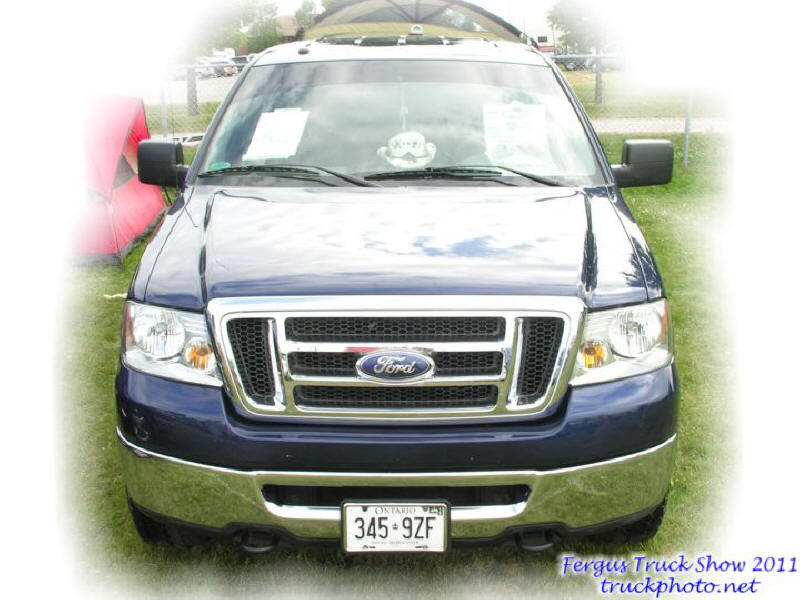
(223, 67)
(204, 69)
(399, 302)
(573, 63)
(241, 61)
(216, 67)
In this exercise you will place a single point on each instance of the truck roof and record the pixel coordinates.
(361, 49)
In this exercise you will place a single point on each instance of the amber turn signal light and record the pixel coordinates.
(199, 355)
(593, 354)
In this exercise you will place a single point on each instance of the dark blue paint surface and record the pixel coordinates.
(593, 423)
(289, 241)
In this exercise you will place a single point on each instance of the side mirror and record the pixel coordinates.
(161, 163)
(644, 162)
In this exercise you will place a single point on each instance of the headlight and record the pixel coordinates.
(624, 342)
(169, 343)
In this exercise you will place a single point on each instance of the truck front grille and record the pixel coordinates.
(333, 496)
(395, 329)
(253, 354)
(395, 398)
(302, 363)
(343, 364)
(541, 339)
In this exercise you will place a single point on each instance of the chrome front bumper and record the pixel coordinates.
(573, 497)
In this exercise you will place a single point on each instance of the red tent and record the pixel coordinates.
(120, 209)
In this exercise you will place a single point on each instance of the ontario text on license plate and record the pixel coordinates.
(395, 526)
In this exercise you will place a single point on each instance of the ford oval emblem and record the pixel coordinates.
(394, 366)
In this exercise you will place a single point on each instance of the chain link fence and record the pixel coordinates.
(187, 101)
(616, 102)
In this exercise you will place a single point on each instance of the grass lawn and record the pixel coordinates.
(678, 220)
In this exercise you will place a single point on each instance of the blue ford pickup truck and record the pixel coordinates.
(398, 303)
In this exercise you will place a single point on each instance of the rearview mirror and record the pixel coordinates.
(644, 162)
(161, 163)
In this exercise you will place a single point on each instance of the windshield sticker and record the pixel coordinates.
(516, 136)
(277, 134)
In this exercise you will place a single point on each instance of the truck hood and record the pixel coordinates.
(470, 240)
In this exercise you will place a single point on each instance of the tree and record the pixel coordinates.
(305, 14)
(582, 24)
(235, 24)
(263, 34)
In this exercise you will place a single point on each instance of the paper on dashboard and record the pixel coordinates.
(277, 135)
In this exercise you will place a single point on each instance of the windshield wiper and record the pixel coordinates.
(296, 171)
(491, 172)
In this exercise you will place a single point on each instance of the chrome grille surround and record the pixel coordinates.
(512, 308)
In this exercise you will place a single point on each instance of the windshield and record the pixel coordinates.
(364, 118)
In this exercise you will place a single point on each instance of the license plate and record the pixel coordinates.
(395, 526)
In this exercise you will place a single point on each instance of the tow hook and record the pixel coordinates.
(534, 541)
(258, 542)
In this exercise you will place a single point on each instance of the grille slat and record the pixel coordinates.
(541, 341)
(397, 398)
(395, 329)
(323, 364)
(454, 364)
(250, 344)
(448, 364)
